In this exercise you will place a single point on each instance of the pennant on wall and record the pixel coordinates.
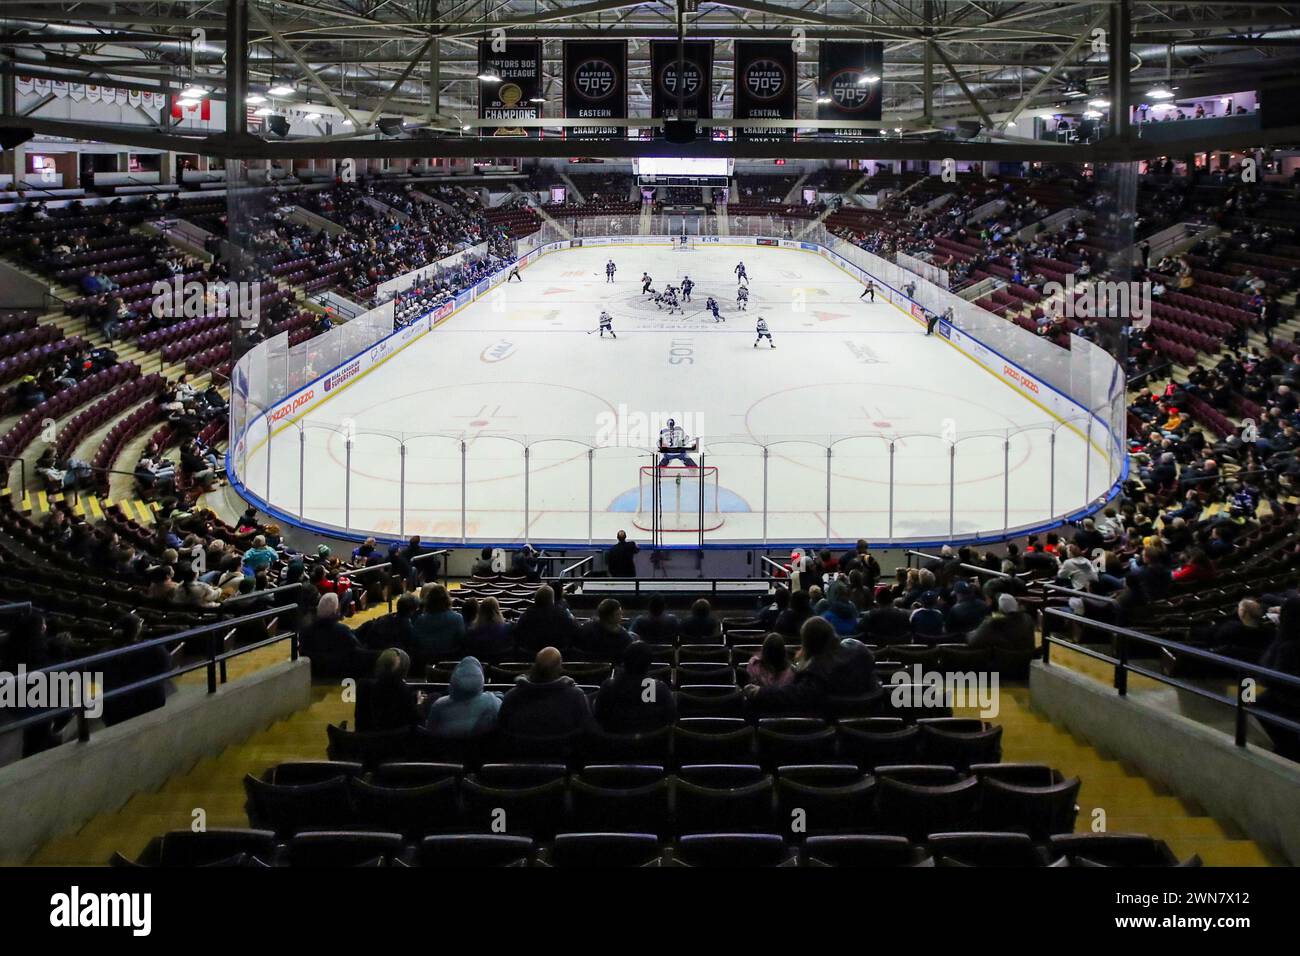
(41, 85)
(24, 84)
(77, 91)
(59, 88)
(134, 98)
(93, 93)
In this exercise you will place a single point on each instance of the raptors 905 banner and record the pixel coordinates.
(519, 65)
(849, 75)
(595, 86)
(766, 87)
(694, 86)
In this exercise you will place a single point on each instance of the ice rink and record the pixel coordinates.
(557, 422)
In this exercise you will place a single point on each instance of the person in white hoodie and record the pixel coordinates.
(1077, 570)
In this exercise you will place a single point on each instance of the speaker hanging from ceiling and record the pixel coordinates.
(278, 125)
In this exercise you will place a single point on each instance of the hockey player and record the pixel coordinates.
(742, 298)
(763, 333)
(687, 286)
(712, 306)
(741, 274)
(869, 293)
(673, 304)
(514, 274)
(645, 283)
(931, 320)
(609, 270)
(606, 325)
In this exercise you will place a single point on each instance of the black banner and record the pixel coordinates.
(850, 76)
(766, 78)
(595, 86)
(519, 65)
(697, 80)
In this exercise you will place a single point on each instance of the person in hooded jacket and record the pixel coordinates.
(466, 711)
(544, 623)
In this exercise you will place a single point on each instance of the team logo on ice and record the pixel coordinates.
(624, 428)
(497, 352)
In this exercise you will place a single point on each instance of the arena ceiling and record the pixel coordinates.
(945, 60)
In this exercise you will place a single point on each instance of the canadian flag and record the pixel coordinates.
(204, 106)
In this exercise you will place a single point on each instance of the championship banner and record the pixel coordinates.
(519, 65)
(844, 68)
(766, 78)
(595, 86)
(696, 88)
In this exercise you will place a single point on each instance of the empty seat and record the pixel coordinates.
(704, 795)
(602, 850)
(875, 741)
(960, 742)
(699, 740)
(1116, 849)
(533, 811)
(974, 848)
(649, 747)
(298, 773)
(710, 700)
(343, 848)
(410, 810)
(823, 799)
(916, 810)
(859, 849)
(287, 809)
(794, 740)
(1039, 811)
(470, 850)
(607, 801)
(180, 848)
(733, 850)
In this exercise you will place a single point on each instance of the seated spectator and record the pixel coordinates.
(483, 566)
(391, 701)
(827, 666)
(926, 619)
(391, 630)
(488, 638)
(702, 626)
(1283, 655)
(605, 638)
(544, 702)
(771, 666)
(780, 603)
(967, 611)
(1247, 635)
(789, 621)
(544, 623)
(630, 702)
(1008, 628)
(1196, 568)
(191, 592)
(331, 646)
(437, 631)
(1077, 571)
(886, 624)
(842, 615)
(259, 557)
(132, 668)
(657, 625)
(466, 711)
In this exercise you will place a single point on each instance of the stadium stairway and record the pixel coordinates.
(215, 784)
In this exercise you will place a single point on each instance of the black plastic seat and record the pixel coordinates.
(710, 700)
(287, 810)
(874, 741)
(342, 848)
(602, 850)
(1020, 774)
(735, 850)
(794, 740)
(703, 796)
(534, 811)
(1040, 812)
(809, 805)
(704, 673)
(299, 773)
(519, 774)
(1116, 849)
(916, 810)
(408, 774)
(712, 740)
(643, 807)
(411, 810)
(978, 848)
(471, 850)
(862, 849)
(182, 848)
(960, 742)
(652, 746)
(369, 749)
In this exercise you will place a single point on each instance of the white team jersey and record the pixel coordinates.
(761, 327)
(605, 318)
(674, 437)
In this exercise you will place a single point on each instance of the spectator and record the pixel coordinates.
(544, 702)
(391, 630)
(489, 637)
(605, 638)
(621, 558)
(331, 646)
(827, 666)
(437, 632)
(657, 625)
(702, 626)
(391, 702)
(770, 667)
(630, 701)
(544, 622)
(466, 711)
(1008, 628)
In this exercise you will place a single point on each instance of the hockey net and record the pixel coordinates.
(680, 507)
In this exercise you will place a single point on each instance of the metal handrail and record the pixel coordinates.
(564, 572)
(214, 664)
(22, 472)
(1243, 672)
